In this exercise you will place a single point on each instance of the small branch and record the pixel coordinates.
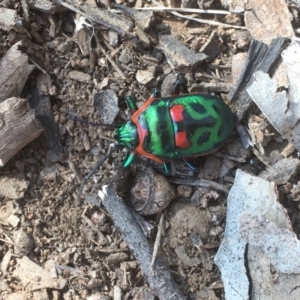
(9, 243)
(160, 279)
(237, 159)
(187, 10)
(201, 20)
(202, 183)
(115, 66)
(208, 21)
(157, 241)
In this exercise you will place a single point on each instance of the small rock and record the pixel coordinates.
(80, 76)
(106, 103)
(50, 173)
(124, 57)
(24, 243)
(113, 38)
(13, 220)
(184, 190)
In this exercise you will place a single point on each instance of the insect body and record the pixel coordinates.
(164, 129)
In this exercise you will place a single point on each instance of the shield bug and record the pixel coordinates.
(179, 126)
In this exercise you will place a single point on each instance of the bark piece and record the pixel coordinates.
(14, 71)
(179, 57)
(259, 245)
(267, 20)
(285, 118)
(18, 127)
(46, 6)
(159, 278)
(7, 18)
(260, 58)
(101, 16)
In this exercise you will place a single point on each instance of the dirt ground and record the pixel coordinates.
(52, 227)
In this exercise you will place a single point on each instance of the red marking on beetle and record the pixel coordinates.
(176, 112)
(181, 140)
(142, 132)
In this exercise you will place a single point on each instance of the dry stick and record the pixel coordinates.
(10, 243)
(187, 10)
(229, 157)
(157, 241)
(208, 21)
(160, 279)
(115, 66)
(201, 20)
(201, 182)
(38, 66)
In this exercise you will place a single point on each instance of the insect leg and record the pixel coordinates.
(167, 167)
(99, 164)
(191, 166)
(156, 93)
(181, 82)
(130, 157)
(131, 104)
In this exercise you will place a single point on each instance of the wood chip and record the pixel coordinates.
(7, 18)
(144, 76)
(179, 57)
(14, 71)
(16, 132)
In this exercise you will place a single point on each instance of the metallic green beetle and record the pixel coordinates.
(164, 129)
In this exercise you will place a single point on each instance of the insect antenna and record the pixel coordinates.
(111, 151)
(99, 164)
